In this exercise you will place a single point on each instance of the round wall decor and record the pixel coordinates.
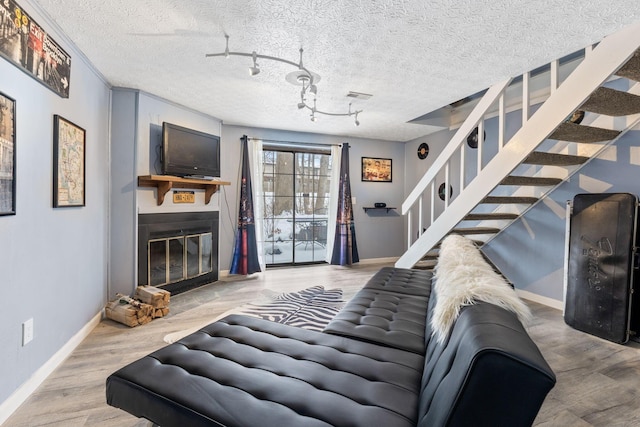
(576, 117)
(423, 151)
(441, 191)
(472, 139)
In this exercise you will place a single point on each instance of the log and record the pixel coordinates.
(160, 312)
(158, 298)
(122, 313)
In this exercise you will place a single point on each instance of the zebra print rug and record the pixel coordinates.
(310, 308)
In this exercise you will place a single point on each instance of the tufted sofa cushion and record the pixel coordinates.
(242, 371)
(401, 280)
(395, 320)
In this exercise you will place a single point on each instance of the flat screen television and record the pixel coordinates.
(188, 152)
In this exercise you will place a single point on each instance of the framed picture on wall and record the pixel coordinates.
(7, 155)
(376, 170)
(68, 163)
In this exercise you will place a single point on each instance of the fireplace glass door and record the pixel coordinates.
(174, 259)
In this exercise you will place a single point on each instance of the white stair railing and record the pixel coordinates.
(598, 65)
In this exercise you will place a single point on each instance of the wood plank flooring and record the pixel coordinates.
(598, 381)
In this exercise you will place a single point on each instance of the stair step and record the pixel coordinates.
(418, 266)
(478, 243)
(578, 133)
(530, 181)
(500, 200)
(489, 216)
(553, 159)
(611, 102)
(631, 70)
(475, 230)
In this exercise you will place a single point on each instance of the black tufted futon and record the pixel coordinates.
(376, 364)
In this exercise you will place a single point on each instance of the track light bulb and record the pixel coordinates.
(254, 70)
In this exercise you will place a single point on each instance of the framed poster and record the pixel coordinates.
(7, 155)
(68, 163)
(376, 170)
(24, 43)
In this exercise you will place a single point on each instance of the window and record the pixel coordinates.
(296, 186)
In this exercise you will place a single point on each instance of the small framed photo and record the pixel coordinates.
(376, 170)
(7, 155)
(68, 163)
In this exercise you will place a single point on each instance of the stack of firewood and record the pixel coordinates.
(129, 311)
(148, 303)
(157, 298)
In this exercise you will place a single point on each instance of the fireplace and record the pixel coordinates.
(178, 251)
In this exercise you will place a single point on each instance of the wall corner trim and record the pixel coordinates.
(378, 260)
(549, 302)
(9, 406)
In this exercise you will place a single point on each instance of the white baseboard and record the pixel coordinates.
(9, 406)
(549, 302)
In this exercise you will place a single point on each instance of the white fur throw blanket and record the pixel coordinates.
(463, 277)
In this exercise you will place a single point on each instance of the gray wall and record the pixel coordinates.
(137, 119)
(53, 262)
(415, 168)
(378, 235)
(123, 202)
(531, 251)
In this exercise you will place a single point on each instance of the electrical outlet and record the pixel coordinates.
(27, 332)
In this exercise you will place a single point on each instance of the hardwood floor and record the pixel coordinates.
(598, 381)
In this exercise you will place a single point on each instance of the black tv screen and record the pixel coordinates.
(188, 152)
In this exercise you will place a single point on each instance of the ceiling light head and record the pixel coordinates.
(254, 70)
(357, 122)
(301, 105)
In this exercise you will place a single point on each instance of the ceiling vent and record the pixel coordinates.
(358, 95)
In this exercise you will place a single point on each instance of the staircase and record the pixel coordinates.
(543, 126)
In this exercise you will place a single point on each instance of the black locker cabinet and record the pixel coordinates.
(603, 266)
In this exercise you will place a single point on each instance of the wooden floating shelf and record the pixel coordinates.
(164, 183)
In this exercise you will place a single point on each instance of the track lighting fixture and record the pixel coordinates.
(301, 77)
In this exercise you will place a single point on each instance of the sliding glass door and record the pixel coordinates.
(296, 201)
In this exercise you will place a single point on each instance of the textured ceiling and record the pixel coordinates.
(413, 56)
